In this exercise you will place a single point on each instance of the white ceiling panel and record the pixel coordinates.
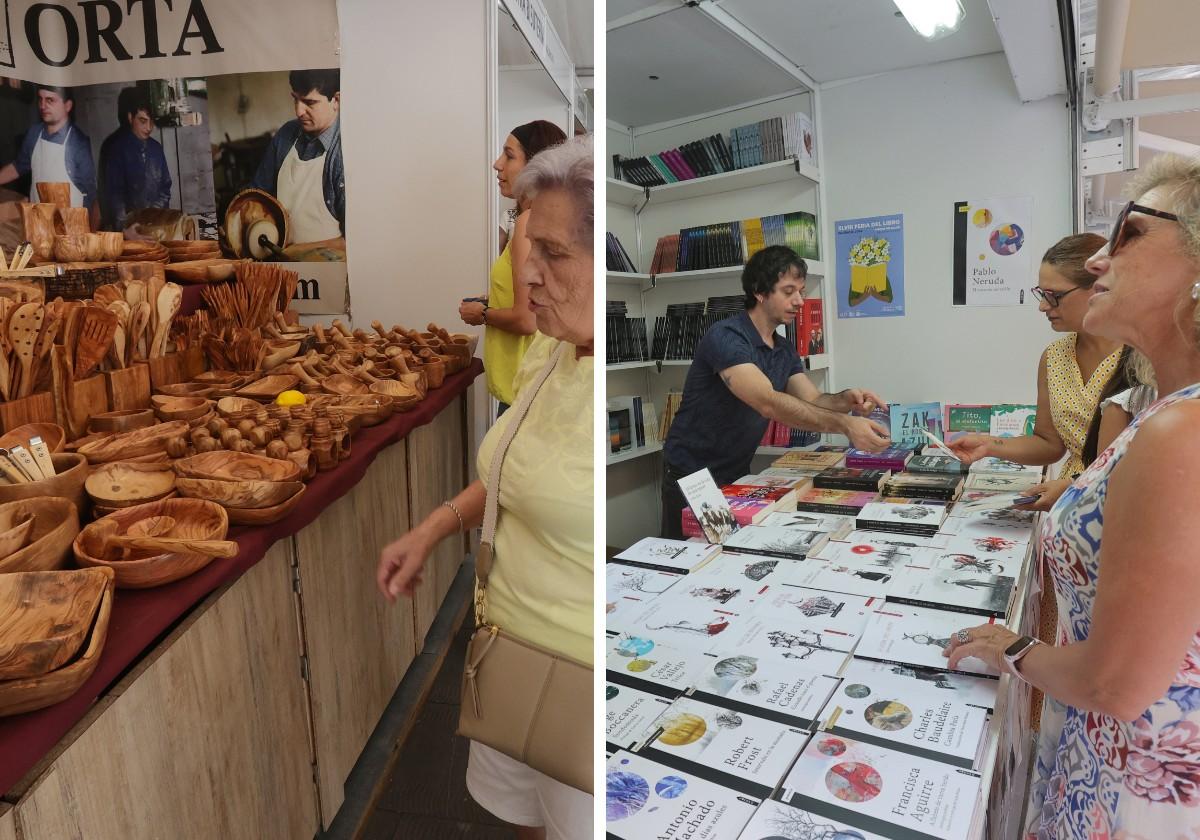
(701, 68)
(614, 9)
(850, 38)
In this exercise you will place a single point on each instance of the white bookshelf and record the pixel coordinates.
(636, 452)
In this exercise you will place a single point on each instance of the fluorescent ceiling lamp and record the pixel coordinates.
(932, 19)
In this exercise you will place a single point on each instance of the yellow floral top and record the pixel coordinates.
(1073, 401)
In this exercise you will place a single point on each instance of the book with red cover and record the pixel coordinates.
(810, 338)
(746, 511)
(842, 502)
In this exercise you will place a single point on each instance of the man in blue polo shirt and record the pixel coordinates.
(745, 375)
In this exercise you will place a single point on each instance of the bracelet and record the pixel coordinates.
(483, 315)
(461, 522)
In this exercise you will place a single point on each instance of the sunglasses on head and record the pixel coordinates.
(1119, 233)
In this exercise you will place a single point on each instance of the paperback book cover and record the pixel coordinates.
(743, 748)
(918, 721)
(923, 520)
(1009, 552)
(882, 790)
(727, 589)
(643, 584)
(924, 486)
(1012, 420)
(996, 483)
(794, 473)
(623, 610)
(1006, 523)
(644, 799)
(845, 578)
(629, 715)
(955, 591)
(840, 502)
(1000, 466)
(773, 498)
(708, 506)
(789, 482)
(909, 419)
(917, 636)
(778, 637)
(771, 541)
(962, 419)
(893, 458)
(832, 620)
(745, 512)
(849, 478)
(749, 568)
(681, 622)
(875, 550)
(886, 677)
(668, 555)
(651, 666)
(807, 458)
(810, 338)
(779, 821)
(767, 687)
(937, 464)
(830, 523)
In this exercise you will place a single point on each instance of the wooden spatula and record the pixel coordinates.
(95, 337)
(23, 331)
(138, 322)
(107, 532)
(169, 301)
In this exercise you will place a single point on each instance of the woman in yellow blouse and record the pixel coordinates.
(504, 314)
(1072, 373)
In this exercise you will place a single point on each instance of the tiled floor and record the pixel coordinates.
(426, 796)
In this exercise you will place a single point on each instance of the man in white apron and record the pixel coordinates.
(55, 151)
(303, 164)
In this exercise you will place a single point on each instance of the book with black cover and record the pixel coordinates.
(849, 478)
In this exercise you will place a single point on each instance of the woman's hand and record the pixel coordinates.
(973, 447)
(1047, 493)
(986, 642)
(401, 563)
(471, 312)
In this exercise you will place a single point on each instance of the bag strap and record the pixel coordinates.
(491, 507)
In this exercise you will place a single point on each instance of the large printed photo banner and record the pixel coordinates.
(183, 119)
(992, 265)
(870, 266)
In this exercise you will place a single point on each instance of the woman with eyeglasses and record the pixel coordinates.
(1072, 373)
(1119, 747)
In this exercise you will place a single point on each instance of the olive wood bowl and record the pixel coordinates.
(195, 519)
(269, 387)
(44, 618)
(129, 445)
(55, 524)
(236, 466)
(52, 434)
(123, 484)
(239, 493)
(186, 389)
(264, 516)
(121, 421)
(180, 408)
(71, 470)
(230, 406)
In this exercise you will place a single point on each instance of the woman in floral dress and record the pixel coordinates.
(1119, 755)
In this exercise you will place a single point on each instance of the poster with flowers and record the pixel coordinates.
(870, 266)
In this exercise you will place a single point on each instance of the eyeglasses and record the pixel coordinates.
(1119, 230)
(1051, 297)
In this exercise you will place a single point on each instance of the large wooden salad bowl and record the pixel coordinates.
(48, 546)
(236, 466)
(44, 618)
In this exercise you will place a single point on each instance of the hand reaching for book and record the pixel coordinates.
(973, 447)
(1047, 493)
(866, 435)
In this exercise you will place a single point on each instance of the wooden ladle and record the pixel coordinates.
(106, 531)
(151, 526)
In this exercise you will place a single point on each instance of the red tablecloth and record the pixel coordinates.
(139, 617)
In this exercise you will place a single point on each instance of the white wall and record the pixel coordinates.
(914, 142)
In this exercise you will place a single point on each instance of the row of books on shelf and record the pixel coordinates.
(788, 137)
(632, 423)
(616, 258)
(624, 337)
(789, 682)
(727, 244)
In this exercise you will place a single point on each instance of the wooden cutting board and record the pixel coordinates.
(44, 618)
(128, 388)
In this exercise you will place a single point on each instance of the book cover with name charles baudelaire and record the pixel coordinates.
(647, 799)
(884, 791)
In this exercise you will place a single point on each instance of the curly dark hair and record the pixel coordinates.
(765, 268)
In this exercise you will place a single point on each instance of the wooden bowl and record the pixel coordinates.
(55, 524)
(99, 511)
(51, 434)
(269, 387)
(122, 484)
(180, 408)
(264, 516)
(111, 244)
(185, 389)
(71, 220)
(76, 247)
(16, 533)
(71, 470)
(236, 466)
(142, 569)
(237, 406)
(343, 383)
(45, 617)
(27, 695)
(218, 377)
(371, 409)
(435, 372)
(121, 421)
(395, 390)
(128, 445)
(240, 493)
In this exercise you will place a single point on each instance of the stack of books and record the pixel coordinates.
(893, 458)
(615, 256)
(631, 423)
(774, 139)
(910, 485)
(850, 478)
(625, 337)
(797, 231)
(708, 156)
(710, 246)
(922, 520)
(666, 255)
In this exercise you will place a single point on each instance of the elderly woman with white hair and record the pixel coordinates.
(539, 589)
(1119, 755)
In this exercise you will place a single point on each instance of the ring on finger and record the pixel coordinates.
(962, 636)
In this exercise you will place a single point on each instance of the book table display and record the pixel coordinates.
(790, 683)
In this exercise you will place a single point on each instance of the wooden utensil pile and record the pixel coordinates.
(144, 311)
(27, 331)
(261, 290)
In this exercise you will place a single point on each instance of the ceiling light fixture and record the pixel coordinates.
(932, 19)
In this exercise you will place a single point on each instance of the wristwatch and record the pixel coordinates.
(483, 316)
(1014, 652)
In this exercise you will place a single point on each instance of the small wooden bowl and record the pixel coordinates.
(44, 618)
(395, 390)
(236, 466)
(19, 696)
(71, 470)
(237, 406)
(240, 493)
(180, 408)
(77, 247)
(121, 421)
(371, 409)
(218, 377)
(342, 383)
(269, 387)
(51, 434)
(264, 516)
(435, 372)
(112, 243)
(186, 389)
(99, 511)
(122, 484)
(129, 445)
(142, 569)
(55, 524)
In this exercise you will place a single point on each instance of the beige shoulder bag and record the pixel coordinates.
(519, 698)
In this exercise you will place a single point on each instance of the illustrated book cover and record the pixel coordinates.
(917, 636)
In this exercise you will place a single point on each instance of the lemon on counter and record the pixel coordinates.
(290, 398)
